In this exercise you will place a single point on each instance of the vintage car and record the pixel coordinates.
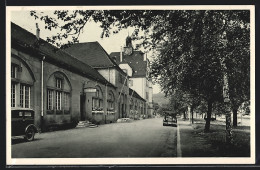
(169, 119)
(23, 123)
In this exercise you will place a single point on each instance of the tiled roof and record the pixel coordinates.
(136, 95)
(93, 54)
(135, 61)
(28, 40)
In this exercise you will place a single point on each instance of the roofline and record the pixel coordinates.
(139, 97)
(44, 53)
(108, 56)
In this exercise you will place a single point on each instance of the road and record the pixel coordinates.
(140, 138)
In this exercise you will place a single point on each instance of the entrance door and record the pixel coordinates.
(123, 111)
(82, 107)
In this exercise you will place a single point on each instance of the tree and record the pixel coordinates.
(197, 50)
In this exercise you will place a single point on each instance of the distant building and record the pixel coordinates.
(137, 105)
(136, 65)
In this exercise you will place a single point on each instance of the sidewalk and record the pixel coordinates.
(193, 142)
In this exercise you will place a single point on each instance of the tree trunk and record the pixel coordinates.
(229, 134)
(207, 125)
(227, 104)
(191, 111)
(235, 116)
(184, 115)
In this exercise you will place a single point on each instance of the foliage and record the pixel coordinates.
(190, 46)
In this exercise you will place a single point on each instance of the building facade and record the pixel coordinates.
(58, 87)
(65, 87)
(94, 54)
(136, 65)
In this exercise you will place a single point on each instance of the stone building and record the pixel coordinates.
(136, 65)
(60, 88)
(94, 54)
(137, 105)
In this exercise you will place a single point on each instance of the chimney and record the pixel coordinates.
(37, 31)
(145, 56)
(121, 54)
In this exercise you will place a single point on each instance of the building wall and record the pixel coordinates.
(122, 92)
(136, 108)
(144, 88)
(73, 85)
(139, 86)
(127, 68)
(109, 74)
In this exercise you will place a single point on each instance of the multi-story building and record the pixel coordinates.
(59, 88)
(136, 65)
(93, 54)
(65, 87)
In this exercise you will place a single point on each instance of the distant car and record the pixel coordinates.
(170, 120)
(23, 123)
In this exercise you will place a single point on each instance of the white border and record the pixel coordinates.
(136, 161)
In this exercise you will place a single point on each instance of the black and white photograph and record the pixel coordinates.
(130, 85)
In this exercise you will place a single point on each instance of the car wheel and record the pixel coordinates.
(29, 134)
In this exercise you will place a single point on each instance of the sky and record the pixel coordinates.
(92, 32)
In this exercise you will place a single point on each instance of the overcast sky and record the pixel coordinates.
(92, 32)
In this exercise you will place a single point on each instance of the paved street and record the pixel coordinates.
(141, 138)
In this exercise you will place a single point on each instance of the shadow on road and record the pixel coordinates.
(21, 140)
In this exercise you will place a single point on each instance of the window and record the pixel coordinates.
(20, 91)
(25, 91)
(13, 94)
(66, 101)
(21, 95)
(110, 102)
(58, 83)
(58, 100)
(27, 97)
(50, 100)
(147, 96)
(58, 94)
(13, 71)
(97, 101)
(130, 83)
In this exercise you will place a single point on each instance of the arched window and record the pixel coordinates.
(110, 101)
(58, 94)
(22, 80)
(97, 100)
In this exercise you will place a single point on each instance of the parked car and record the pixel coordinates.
(169, 119)
(23, 123)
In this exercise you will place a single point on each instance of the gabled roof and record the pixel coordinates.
(28, 41)
(93, 54)
(135, 60)
(135, 94)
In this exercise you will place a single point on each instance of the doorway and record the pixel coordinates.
(82, 106)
